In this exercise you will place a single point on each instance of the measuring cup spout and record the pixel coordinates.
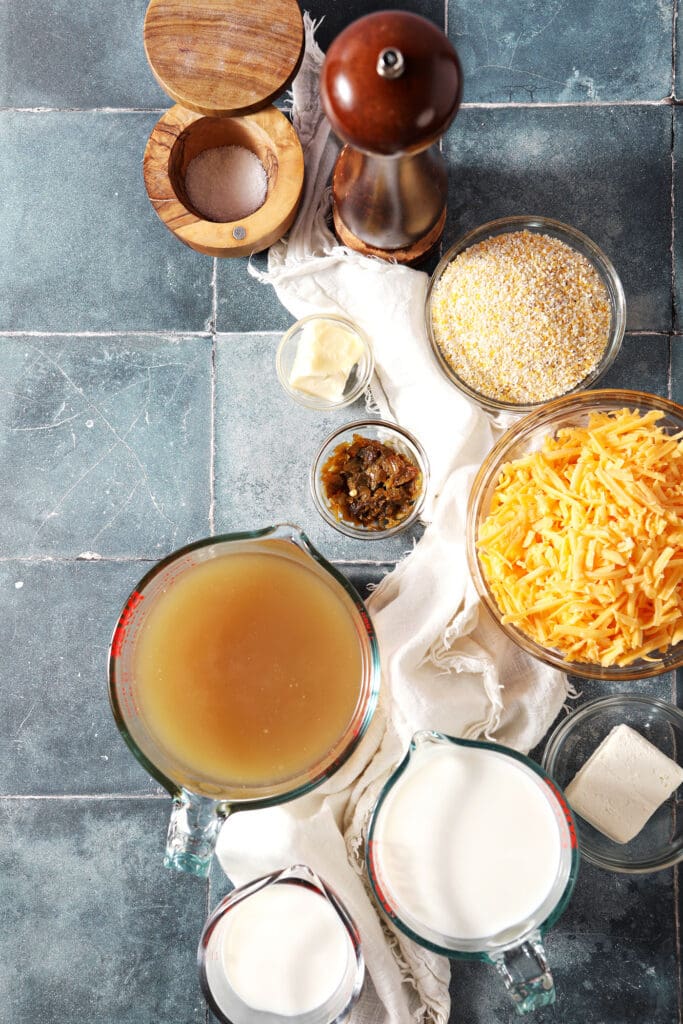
(526, 974)
(192, 833)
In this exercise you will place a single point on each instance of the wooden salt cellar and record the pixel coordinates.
(391, 84)
(224, 61)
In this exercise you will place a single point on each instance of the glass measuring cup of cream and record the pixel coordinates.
(243, 671)
(281, 948)
(472, 853)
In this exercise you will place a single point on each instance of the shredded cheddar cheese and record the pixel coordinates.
(583, 545)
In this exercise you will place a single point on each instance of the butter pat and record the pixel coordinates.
(622, 784)
(325, 356)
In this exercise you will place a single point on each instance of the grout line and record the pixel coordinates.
(473, 105)
(68, 559)
(83, 110)
(85, 796)
(666, 101)
(212, 454)
(105, 334)
(673, 229)
(677, 939)
(674, 54)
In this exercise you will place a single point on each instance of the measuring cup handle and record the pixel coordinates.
(526, 974)
(192, 833)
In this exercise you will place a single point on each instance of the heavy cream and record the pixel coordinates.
(467, 844)
(282, 950)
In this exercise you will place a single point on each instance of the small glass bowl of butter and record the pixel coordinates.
(324, 362)
(619, 760)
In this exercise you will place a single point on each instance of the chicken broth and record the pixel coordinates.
(248, 671)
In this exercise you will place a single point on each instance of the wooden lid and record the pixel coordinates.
(391, 83)
(224, 57)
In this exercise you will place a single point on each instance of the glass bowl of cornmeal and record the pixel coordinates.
(619, 760)
(324, 362)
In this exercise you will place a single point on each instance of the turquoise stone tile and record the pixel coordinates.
(604, 170)
(612, 954)
(242, 300)
(678, 225)
(95, 929)
(54, 53)
(642, 364)
(677, 369)
(57, 732)
(265, 447)
(534, 51)
(106, 443)
(83, 250)
(336, 16)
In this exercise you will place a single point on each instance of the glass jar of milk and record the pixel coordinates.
(281, 948)
(472, 852)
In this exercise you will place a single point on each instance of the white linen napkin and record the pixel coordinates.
(446, 665)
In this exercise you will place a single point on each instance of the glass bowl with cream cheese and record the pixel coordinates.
(574, 536)
(619, 760)
(324, 362)
(522, 310)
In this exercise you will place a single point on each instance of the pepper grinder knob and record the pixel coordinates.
(390, 85)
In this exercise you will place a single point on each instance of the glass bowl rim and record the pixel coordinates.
(442, 948)
(610, 398)
(575, 239)
(586, 712)
(309, 401)
(282, 531)
(358, 532)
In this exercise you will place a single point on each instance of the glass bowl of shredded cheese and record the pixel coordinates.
(575, 534)
(523, 310)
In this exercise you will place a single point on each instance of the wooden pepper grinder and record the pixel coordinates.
(390, 86)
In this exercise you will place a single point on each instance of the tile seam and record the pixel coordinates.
(212, 438)
(472, 105)
(674, 54)
(91, 797)
(104, 334)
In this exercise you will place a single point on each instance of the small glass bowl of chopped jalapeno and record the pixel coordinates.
(369, 479)
(575, 538)
(523, 310)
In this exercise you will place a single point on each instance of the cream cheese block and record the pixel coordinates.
(622, 784)
(325, 356)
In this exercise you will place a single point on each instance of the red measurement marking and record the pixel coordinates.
(567, 813)
(379, 891)
(126, 615)
(366, 622)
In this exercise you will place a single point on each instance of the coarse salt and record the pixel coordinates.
(226, 183)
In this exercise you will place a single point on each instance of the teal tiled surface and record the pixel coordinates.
(601, 52)
(94, 927)
(82, 248)
(114, 434)
(605, 170)
(140, 409)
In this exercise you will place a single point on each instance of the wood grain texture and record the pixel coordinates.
(224, 57)
(409, 256)
(182, 134)
(391, 116)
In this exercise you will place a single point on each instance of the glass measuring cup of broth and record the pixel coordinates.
(243, 671)
(472, 852)
(281, 948)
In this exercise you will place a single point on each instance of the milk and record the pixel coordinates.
(467, 843)
(282, 950)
